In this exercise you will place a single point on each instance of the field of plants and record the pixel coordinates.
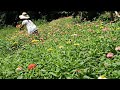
(64, 49)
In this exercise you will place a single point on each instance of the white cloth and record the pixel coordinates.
(31, 27)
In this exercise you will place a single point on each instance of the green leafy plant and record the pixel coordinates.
(63, 50)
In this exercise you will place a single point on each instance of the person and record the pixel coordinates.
(31, 27)
(117, 14)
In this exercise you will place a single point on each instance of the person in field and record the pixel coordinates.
(31, 27)
(117, 14)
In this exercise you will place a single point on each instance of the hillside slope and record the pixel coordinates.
(63, 50)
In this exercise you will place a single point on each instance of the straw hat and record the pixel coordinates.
(24, 16)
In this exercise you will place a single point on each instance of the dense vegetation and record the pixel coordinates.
(64, 49)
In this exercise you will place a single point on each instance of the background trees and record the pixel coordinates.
(11, 17)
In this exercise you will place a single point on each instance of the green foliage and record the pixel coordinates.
(63, 50)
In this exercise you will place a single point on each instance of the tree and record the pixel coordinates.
(90, 15)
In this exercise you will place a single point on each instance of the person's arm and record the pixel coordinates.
(117, 14)
(21, 27)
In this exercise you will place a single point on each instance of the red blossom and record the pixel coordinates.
(31, 66)
(109, 55)
(105, 29)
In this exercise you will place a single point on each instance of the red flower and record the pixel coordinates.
(31, 66)
(110, 55)
(105, 29)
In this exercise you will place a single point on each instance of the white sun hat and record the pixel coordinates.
(24, 16)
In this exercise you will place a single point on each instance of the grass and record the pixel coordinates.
(63, 50)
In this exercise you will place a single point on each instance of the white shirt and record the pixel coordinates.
(31, 27)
